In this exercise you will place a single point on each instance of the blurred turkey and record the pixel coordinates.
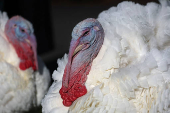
(24, 79)
(131, 72)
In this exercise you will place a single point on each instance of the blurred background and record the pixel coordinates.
(53, 21)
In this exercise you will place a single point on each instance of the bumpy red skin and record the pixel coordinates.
(27, 59)
(76, 86)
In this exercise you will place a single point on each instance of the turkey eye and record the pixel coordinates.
(22, 30)
(15, 25)
(86, 33)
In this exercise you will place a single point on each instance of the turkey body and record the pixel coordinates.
(131, 72)
(20, 90)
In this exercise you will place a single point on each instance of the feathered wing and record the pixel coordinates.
(129, 35)
(17, 92)
(52, 102)
(3, 20)
(142, 87)
(6, 50)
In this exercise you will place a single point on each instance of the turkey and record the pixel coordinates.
(117, 63)
(24, 79)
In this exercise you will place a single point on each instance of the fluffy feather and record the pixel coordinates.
(20, 90)
(131, 72)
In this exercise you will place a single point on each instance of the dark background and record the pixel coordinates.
(53, 21)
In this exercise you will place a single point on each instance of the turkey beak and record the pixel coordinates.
(28, 41)
(78, 48)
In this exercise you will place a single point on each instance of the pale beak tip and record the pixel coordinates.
(28, 41)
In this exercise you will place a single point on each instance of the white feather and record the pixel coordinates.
(52, 102)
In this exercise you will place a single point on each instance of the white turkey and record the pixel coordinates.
(24, 79)
(131, 72)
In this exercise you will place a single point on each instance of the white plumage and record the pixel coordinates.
(131, 73)
(19, 90)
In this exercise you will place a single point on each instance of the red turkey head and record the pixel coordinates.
(19, 33)
(87, 39)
